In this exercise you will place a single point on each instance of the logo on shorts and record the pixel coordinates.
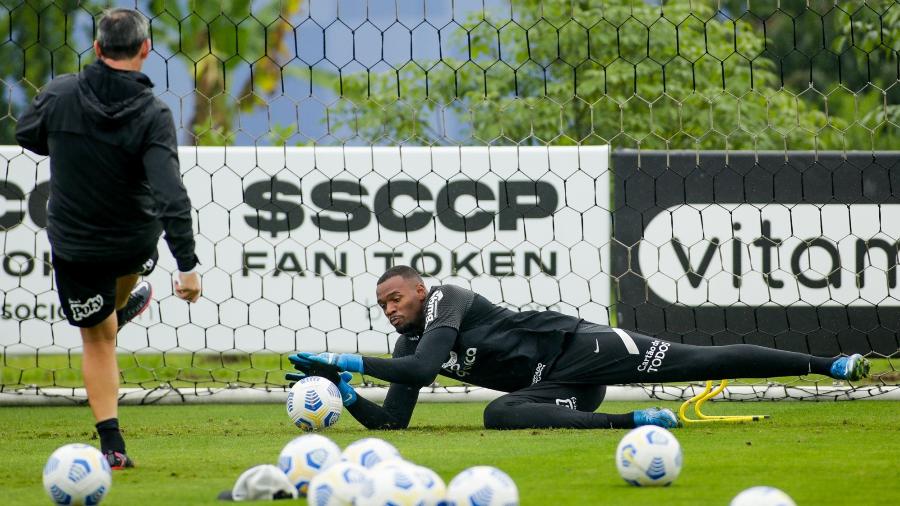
(431, 311)
(538, 371)
(147, 267)
(81, 310)
(571, 402)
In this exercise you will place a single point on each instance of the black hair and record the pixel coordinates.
(121, 32)
(405, 271)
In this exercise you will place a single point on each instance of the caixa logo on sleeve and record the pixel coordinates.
(791, 250)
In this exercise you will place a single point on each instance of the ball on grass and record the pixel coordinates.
(77, 474)
(314, 403)
(483, 485)
(339, 485)
(762, 496)
(368, 452)
(392, 483)
(649, 456)
(305, 457)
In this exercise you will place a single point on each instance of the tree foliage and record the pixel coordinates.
(633, 74)
(663, 75)
(214, 41)
(38, 42)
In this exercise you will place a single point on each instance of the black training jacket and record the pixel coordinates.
(115, 182)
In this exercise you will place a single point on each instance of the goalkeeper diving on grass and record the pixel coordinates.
(554, 367)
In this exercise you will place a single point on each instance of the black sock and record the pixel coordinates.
(623, 421)
(110, 437)
(820, 365)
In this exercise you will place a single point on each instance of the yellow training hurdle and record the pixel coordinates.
(708, 393)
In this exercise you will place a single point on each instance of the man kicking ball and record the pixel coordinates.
(554, 366)
(115, 186)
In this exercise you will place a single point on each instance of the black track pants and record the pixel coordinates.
(616, 356)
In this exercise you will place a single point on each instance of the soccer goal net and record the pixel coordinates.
(707, 174)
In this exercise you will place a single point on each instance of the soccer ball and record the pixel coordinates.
(435, 490)
(762, 496)
(392, 484)
(307, 456)
(314, 403)
(77, 474)
(483, 485)
(649, 456)
(339, 485)
(369, 451)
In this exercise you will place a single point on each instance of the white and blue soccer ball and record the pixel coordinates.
(305, 457)
(314, 403)
(433, 485)
(432, 490)
(339, 485)
(649, 456)
(392, 484)
(77, 474)
(484, 486)
(370, 451)
(762, 496)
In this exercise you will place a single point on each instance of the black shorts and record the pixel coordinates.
(87, 290)
(573, 396)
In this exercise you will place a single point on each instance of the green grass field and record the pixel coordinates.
(820, 453)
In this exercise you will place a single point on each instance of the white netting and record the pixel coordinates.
(555, 176)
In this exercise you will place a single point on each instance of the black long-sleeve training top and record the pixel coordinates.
(466, 337)
(115, 181)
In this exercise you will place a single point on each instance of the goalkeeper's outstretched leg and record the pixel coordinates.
(550, 405)
(599, 354)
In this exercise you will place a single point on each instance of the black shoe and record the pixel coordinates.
(138, 302)
(118, 461)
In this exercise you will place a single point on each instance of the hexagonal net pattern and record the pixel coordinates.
(708, 173)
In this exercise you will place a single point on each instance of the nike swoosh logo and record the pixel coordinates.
(597, 348)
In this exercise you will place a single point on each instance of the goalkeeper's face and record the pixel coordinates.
(403, 302)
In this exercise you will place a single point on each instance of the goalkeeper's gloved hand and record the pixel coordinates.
(348, 394)
(311, 368)
(328, 372)
(305, 361)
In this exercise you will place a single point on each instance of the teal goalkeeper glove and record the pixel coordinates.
(348, 394)
(305, 360)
